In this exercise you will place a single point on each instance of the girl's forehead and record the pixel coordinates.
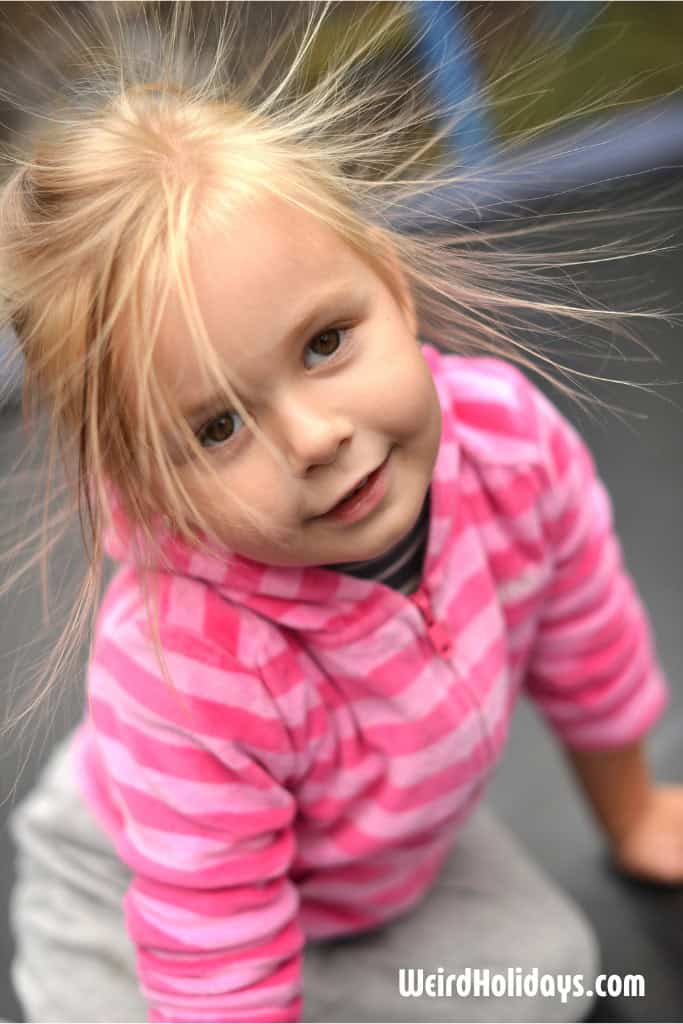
(255, 278)
(268, 239)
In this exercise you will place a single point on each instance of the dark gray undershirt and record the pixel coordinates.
(401, 566)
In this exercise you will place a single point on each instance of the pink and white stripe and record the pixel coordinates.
(311, 769)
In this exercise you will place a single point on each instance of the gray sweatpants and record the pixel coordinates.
(491, 907)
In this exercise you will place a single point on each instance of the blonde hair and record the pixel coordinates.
(162, 135)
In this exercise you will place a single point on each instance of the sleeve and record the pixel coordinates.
(593, 672)
(205, 827)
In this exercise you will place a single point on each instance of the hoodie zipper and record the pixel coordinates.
(440, 636)
(438, 633)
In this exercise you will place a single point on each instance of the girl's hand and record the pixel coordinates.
(651, 847)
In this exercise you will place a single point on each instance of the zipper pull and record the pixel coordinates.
(438, 633)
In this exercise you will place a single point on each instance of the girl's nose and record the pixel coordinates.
(311, 435)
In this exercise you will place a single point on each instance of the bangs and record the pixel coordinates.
(160, 454)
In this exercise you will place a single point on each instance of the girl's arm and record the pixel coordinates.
(617, 784)
(204, 825)
(643, 821)
(593, 671)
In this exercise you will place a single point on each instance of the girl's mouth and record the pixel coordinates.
(364, 499)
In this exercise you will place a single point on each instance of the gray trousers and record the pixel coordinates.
(491, 907)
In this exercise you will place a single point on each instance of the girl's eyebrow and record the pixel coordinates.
(325, 304)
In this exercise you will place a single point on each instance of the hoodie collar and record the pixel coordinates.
(330, 603)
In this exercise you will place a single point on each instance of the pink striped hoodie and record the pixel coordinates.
(329, 735)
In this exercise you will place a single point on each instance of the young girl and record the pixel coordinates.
(344, 553)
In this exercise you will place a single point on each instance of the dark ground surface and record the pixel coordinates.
(641, 461)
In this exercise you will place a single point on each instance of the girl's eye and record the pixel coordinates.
(219, 431)
(329, 341)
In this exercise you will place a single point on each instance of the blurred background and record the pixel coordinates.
(570, 109)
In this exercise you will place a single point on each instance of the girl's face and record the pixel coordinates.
(328, 364)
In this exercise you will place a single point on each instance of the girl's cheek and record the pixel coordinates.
(411, 384)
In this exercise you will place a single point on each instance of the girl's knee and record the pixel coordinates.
(567, 961)
(575, 949)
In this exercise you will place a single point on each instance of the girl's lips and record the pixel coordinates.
(363, 501)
